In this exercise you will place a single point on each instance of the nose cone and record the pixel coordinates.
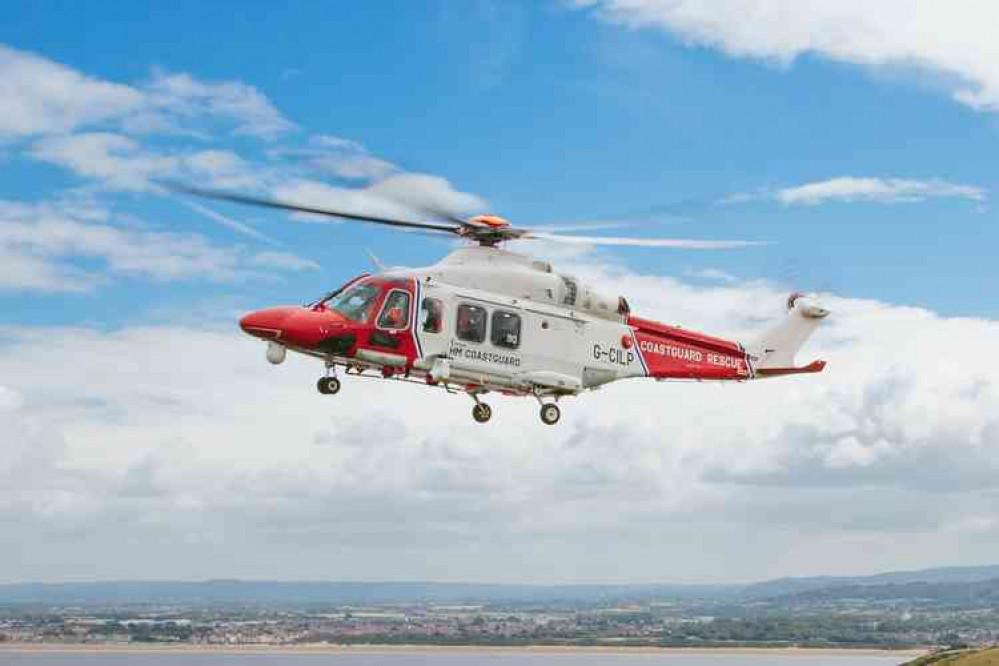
(267, 324)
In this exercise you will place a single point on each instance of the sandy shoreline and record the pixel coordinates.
(452, 649)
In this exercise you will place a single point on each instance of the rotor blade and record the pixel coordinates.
(683, 243)
(297, 208)
(580, 226)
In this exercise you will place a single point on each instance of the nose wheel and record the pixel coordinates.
(550, 413)
(482, 412)
(328, 385)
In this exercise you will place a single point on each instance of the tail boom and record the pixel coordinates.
(670, 352)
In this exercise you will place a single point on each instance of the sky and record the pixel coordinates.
(143, 436)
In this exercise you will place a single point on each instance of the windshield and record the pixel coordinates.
(354, 303)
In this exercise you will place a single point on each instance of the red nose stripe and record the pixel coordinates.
(265, 324)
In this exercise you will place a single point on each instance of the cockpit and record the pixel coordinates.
(357, 301)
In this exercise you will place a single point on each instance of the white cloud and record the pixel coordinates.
(23, 272)
(355, 167)
(101, 132)
(336, 143)
(41, 245)
(861, 188)
(406, 195)
(284, 261)
(953, 43)
(712, 274)
(112, 158)
(862, 467)
(426, 191)
(38, 96)
(341, 158)
(119, 162)
(881, 190)
(185, 96)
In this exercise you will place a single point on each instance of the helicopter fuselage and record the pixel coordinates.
(487, 320)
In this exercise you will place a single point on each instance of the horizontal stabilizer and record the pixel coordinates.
(811, 368)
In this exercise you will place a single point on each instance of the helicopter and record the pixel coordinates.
(486, 320)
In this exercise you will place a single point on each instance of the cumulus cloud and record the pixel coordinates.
(107, 133)
(345, 159)
(712, 274)
(41, 245)
(955, 45)
(862, 467)
(195, 444)
(134, 137)
(113, 158)
(406, 195)
(854, 188)
(23, 272)
(39, 96)
(881, 190)
(186, 96)
(119, 162)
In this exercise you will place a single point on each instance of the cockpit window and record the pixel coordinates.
(355, 303)
(395, 312)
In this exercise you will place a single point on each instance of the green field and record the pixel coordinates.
(986, 657)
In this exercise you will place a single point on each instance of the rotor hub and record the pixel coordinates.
(489, 221)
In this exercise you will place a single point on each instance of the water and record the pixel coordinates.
(431, 658)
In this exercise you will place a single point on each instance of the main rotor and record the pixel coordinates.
(486, 230)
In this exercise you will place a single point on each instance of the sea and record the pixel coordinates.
(431, 658)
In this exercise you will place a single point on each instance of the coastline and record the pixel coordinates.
(331, 648)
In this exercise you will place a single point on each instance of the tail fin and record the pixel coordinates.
(773, 352)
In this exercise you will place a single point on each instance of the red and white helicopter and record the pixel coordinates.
(487, 320)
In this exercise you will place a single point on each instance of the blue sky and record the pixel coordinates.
(143, 431)
(549, 114)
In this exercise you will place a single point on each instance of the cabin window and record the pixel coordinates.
(395, 312)
(431, 315)
(471, 324)
(506, 329)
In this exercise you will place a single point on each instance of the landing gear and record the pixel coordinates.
(550, 413)
(482, 412)
(328, 385)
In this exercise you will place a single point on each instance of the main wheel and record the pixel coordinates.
(482, 412)
(328, 385)
(550, 413)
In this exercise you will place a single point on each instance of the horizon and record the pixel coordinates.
(512, 583)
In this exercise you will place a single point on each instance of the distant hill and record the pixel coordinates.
(943, 584)
(966, 594)
(324, 592)
(787, 586)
